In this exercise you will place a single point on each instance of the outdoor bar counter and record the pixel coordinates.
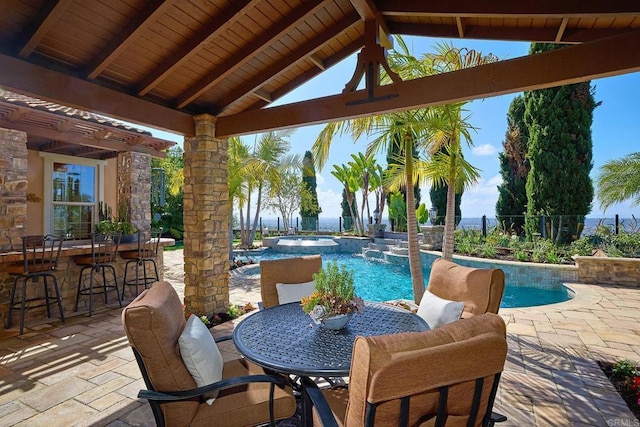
(67, 275)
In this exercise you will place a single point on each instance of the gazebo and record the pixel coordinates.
(209, 70)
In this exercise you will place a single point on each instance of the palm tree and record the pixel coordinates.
(346, 176)
(619, 180)
(427, 129)
(238, 154)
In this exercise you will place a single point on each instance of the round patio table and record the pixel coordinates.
(285, 339)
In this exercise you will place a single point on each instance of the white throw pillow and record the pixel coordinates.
(294, 292)
(200, 354)
(438, 311)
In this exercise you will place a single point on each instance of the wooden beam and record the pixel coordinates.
(581, 62)
(32, 80)
(501, 33)
(563, 26)
(48, 16)
(282, 64)
(510, 9)
(460, 27)
(76, 139)
(317, 61)
(247, 53)
(369, 12)
(215, 27)
(261, 94)
(136, 26)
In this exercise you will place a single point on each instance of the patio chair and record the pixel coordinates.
(142, 258)
(40, 260)
(481, 289)
(446, 376)
(154, 323)
(290, 272)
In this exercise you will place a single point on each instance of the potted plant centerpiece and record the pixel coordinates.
(333, 301)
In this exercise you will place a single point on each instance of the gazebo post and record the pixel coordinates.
(206, 220)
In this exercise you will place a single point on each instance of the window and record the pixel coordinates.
(73, 187)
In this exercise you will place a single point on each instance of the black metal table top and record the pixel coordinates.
(285, 339)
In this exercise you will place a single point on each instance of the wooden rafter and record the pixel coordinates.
(516, 75)
(303, 51)
(369, 12)
(121, 42)
(247, 53)
(48, 15)
(217, 26)
(563, 26)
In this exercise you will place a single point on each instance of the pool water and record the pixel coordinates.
(380, 281)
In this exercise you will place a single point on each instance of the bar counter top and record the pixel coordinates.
(79, 247)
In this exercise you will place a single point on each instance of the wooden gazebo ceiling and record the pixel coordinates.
(159, 62)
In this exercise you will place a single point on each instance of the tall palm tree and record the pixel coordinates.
(619, 180)
(429, 129)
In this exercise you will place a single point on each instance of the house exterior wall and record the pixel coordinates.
(13, 188)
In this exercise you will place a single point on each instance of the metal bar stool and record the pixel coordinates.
(40, 254)
(104, 249)
(139, 259)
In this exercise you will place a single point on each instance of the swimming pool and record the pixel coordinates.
(380, 281)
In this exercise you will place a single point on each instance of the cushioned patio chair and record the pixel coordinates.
(288, 272)
(247, 395)
(446, 376)
(481, 289)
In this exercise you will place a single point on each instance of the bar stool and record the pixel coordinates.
(40, 259)
(138, 259)
(104, 249)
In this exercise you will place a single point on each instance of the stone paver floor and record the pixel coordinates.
(83, 373)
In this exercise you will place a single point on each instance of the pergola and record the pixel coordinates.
(209, 70)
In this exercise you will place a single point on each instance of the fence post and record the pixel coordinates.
(617, 223)
(543, 227)
(278, 224)
(297, 223)
(340, 224)
(261, 225)
(484, 225)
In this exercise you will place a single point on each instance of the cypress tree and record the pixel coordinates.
(560, 153)
(438, 196)
(309, 211)
(347, 220)
(514, 168)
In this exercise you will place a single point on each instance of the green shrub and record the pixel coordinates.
(624, 368)
(582, 247)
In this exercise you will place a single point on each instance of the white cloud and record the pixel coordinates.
(330, 201)
(481, 199)
(484, 150)
(319, 179)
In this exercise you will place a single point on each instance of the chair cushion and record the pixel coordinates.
(438, 311)
(200, 354)
(294, 292)
(285, 270)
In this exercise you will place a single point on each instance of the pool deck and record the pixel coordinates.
(83, 373)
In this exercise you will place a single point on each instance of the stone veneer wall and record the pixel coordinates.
(134, 187)
(206, 220)
(13, 188)
(608, 270)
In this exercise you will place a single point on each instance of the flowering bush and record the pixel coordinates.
(626, 370)
(334, 294)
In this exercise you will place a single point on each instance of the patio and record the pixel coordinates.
(84, 373)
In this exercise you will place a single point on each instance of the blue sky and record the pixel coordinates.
(615, 130)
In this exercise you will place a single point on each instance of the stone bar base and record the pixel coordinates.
(608, 270)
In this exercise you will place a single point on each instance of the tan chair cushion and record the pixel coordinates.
(285, 270)
(153, 323)
(390, 366)
(480, 289)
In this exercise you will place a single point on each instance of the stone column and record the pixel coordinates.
(134, 188)
(206, 220)
(13, 188)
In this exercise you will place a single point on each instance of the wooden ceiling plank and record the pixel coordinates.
(503, 8)
(460, 26)
(48, 16)
(32, 80)
(298, 54)
(75, 139)
(516, 75)
(247, 53)
(216, 27)
(136, 26)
